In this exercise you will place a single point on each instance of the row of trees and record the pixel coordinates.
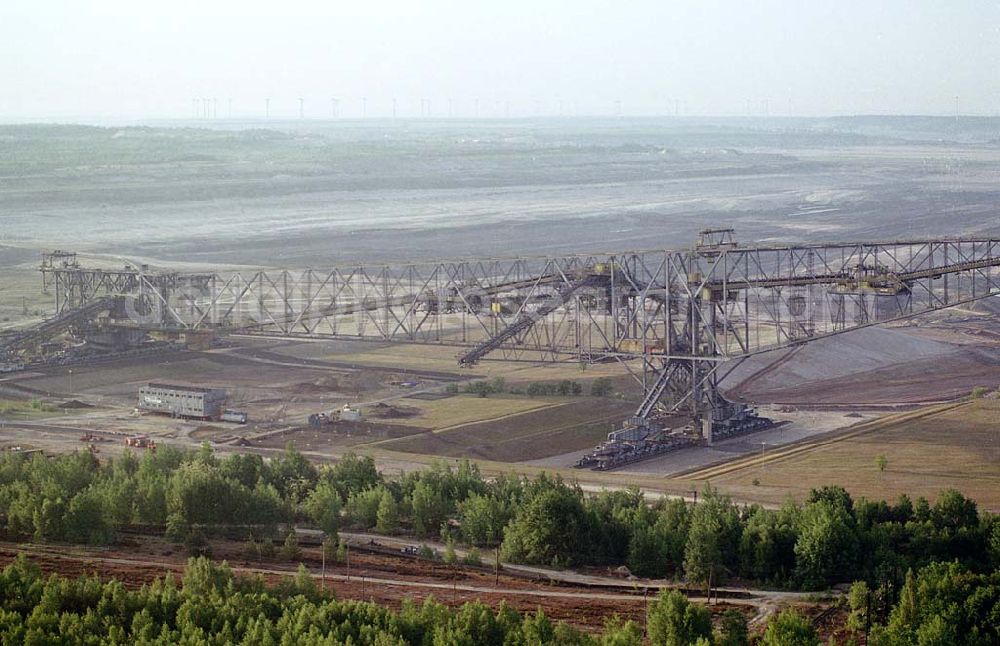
(831, 538)
(76, 498)
(212, 606)
(546, 521)
(942, 604)
(600, 387)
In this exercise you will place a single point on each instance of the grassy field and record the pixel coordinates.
(18, 409)
(558, 426)
(955, 447)
(444, 358)
(462, 409)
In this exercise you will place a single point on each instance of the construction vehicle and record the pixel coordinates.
(320, 419)
(346, 414)
(140, 442)
(236, 416)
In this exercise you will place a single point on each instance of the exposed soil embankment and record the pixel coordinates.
(873, 366)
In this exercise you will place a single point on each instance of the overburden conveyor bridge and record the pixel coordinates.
(679, 320)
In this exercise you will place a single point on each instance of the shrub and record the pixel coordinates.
(290, 550)
(196, 544)
(601, 387)
(449, 552)
(472, 557)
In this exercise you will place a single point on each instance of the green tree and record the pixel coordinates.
(196, 543)
(498, 385)
(480, 388)
(733, 629)
(290, 550)
(993, 542)
(292, 474)
(428, 507)
(767, 543)
(87, 519)
(449, 551)
(304, 583)
(387, 516)
(483, 519)
(323, 506)
(353, 473)
(618, 632)
(857, 601)
(827, 545)
(601, 387)
(953, 511)
(362, 507)
(550, 528)
(674, 621)
(713, 538)
(789, 628)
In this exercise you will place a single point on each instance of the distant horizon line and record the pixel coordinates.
(382, 119)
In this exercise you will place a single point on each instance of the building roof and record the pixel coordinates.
(183, 387)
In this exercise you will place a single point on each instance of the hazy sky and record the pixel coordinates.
(138, 58)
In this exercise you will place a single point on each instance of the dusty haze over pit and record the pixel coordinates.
(112, 59)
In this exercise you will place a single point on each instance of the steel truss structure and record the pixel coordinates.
(679, 320)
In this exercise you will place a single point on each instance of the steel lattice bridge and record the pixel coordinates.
(678, 320)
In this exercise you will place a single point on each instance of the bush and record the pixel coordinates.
(564, 388)
(290, 550)
(480, 388)
(472, 557)
(672, 619)
(733, 629)
(330, 549)
(789, 628)
(535, 390)
(601, 387)
(449, 552)
(196, 544)
(252, 550)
